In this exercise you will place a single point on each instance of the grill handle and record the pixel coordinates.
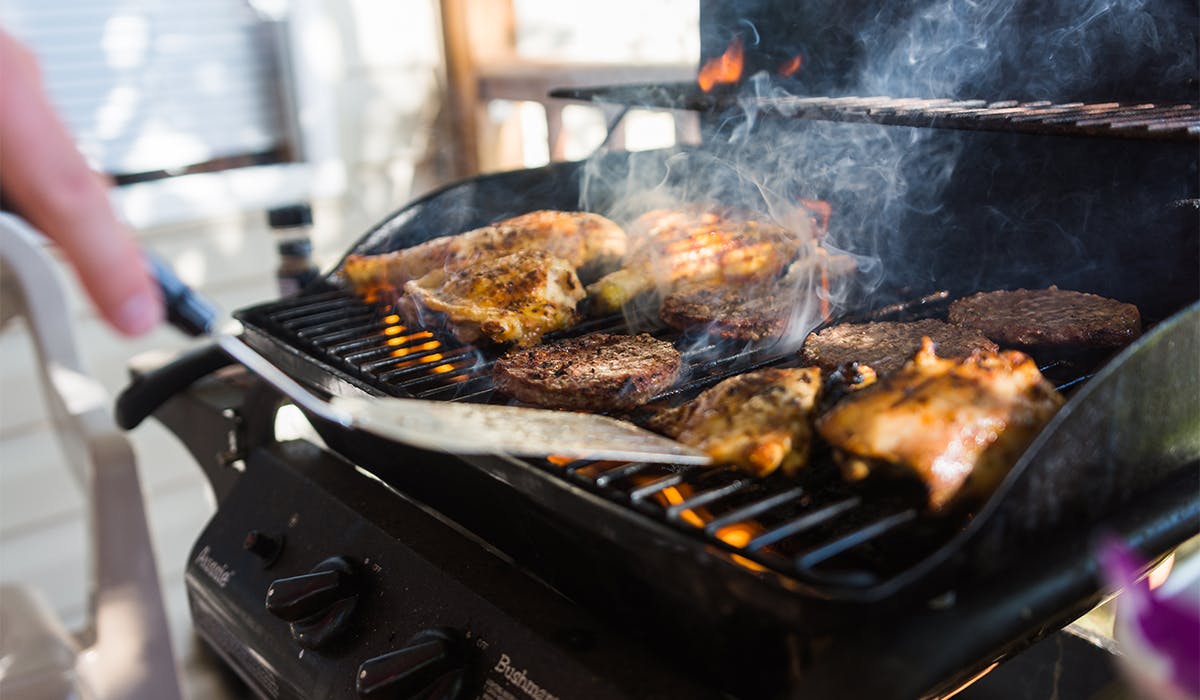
(151, 390)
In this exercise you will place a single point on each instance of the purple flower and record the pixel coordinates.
(1159, 636)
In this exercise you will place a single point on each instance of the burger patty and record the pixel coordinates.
(595, 372)
(1049, 318)
(885, 346)
(753, 313)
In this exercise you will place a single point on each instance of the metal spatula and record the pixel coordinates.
(465, 428)
(458, 428)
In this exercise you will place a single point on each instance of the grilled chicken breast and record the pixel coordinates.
(958, 425)
(514, 298)
(758, 421)
(693, 246)
(580, 238)
(596, 372)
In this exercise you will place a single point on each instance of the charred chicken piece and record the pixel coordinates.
(1049, 318)
(887, 345)
(514, 298)
(958, 425)
(597, 372)
(580, 238)
(759, 421)
(670, 248)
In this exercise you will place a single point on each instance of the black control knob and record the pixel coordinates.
(265, 547)
(430, 667)
(318, 604)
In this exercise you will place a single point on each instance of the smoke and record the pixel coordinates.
(879, 180)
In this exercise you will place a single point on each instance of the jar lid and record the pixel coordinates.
(290, 216)
(298, 247)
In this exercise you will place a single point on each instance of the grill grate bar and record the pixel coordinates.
(654, 487)
(352, 337)
(706, 498)
(753, 509)
(306, 305)
(460, 387)
(609, 476)
(852, 539)
(335, 320)
(413, 356)
(801, 523)
(393, 349)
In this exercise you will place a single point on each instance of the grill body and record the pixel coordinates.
(730, 602)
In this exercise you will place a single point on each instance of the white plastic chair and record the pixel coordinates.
(124, 650)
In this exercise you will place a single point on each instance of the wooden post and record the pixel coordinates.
(475, 33)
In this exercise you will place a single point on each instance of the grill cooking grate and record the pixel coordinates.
(813, 526)
(1171, 122)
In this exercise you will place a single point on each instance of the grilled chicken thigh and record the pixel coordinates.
(579, 238)
(514, 298)
(958, 425)
(691, 246)
(758, 421)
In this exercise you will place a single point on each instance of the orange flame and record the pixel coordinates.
(726, 68)
(790, 66)
(821, 211)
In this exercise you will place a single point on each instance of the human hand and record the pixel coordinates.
(46, 180)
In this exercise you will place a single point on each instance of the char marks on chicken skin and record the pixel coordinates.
(887, 345)
(582, 239)
(597, 372)
(692, 246)
(514, 298)
(759, 421)
(957, 425)
(1049, 318)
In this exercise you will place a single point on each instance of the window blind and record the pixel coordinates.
(152, 86)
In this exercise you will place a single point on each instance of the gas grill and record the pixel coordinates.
(405, 573)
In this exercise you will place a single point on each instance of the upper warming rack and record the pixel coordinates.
(1162, 122)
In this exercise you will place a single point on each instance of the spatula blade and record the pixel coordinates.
(465, 428)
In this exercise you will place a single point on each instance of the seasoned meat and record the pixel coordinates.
(958, 425)
(755, 310)
(692, 246)
(579, 238)
(758, 421)
(1041, 318)
(514, 298)
(751, 312)
(597, 372)
(887, 345)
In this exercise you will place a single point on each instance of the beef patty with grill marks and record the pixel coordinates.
(887, 345)
(596, 372)
(752, 313)
(1043, 318)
